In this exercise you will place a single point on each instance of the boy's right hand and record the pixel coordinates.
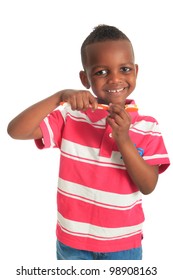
(79, 99)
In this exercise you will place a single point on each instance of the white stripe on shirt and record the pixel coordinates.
(95, 232)
(97, 197)
(52, 144)
(146, 127)
(90, 155)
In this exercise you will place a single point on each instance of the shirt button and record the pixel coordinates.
(110, 135)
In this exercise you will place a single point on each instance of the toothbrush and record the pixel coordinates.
(128, 108)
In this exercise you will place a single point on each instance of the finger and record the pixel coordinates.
(77, 100)
(73, 103)
(116, 108)
(115, 111)
(112, 123)
(116, 119)
(82, 101)
(93, 102)
(85, 101)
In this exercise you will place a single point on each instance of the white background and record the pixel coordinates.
(39, 55)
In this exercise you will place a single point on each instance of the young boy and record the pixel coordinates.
(109, 158)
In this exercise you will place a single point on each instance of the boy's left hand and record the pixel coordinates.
(120, 122)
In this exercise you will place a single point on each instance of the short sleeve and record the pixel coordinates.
(51, 127)
(156, 152)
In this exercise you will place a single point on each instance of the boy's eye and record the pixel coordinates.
(125, 69)
(101, 72)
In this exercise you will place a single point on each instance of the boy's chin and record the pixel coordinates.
(103, 101)
(115, 101)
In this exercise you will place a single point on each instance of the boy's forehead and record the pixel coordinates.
(102, 49)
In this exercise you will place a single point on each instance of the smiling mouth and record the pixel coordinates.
(115, 90)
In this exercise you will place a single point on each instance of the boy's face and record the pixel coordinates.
(110, 71)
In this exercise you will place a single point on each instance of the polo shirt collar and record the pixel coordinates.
(96, 115)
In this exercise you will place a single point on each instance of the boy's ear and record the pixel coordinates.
(137, 68)
(84, 79)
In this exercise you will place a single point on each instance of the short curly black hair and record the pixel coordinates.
(102, 33)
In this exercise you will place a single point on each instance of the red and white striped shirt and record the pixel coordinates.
(99, 207)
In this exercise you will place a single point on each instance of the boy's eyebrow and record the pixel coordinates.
(106, 66)
(130, 62)
(99, 66)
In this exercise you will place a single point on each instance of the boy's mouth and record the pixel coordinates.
(115, 90)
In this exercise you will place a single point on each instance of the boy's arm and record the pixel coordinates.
(142, 174)
(27, 124)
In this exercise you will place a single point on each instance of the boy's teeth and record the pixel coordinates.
(118, 90)
(115, 90)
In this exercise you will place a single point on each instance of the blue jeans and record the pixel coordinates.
(67, 253)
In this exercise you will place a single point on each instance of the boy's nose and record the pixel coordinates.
(115, 78)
